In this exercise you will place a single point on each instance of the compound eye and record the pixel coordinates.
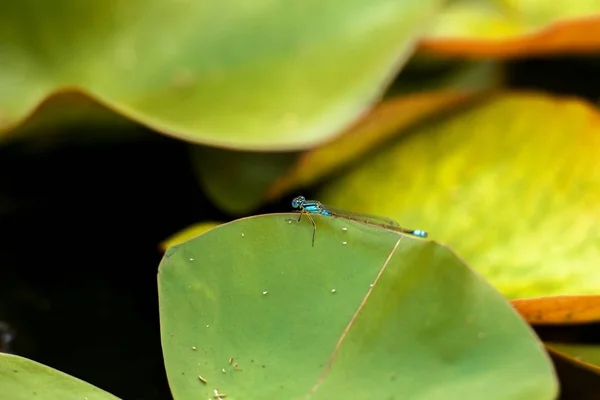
(298, 201)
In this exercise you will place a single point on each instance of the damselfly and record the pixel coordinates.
(309, 207)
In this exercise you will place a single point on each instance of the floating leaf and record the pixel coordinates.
(559, 309)
(587, 355)
(23, 379)
(577, 380)
(522, 28)
(69, 111)
(244, 75)
(251, 310)
(236, 181)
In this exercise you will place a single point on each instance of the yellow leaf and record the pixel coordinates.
(187, 234)
(512, 184)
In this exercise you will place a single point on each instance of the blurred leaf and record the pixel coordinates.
(577, 380)
(187, 234)
(510, 184)
(587, 355)
(382, 123)
(559, 309)
(72, 110)
(250, 307)
(427, 72)
(496, 28)
(23, 379)
(248, 75)
(236, 181)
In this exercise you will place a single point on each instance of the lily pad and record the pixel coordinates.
(23, 379)
(511, 184)
(251, 310)
(236, 181)
(68, 112)
(522, 28)
(559, 309)
(587, 355)
(251, 75)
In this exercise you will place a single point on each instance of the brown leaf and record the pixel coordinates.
(575, 36)
(559, 309)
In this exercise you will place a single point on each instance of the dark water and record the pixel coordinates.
(79, 232)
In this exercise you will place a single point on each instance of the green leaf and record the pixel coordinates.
(23, 379)
(66, 114)
(587, 355)
(511, 184)
(247, 75)
(237, 181)
(426, 73)
(258, 313)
